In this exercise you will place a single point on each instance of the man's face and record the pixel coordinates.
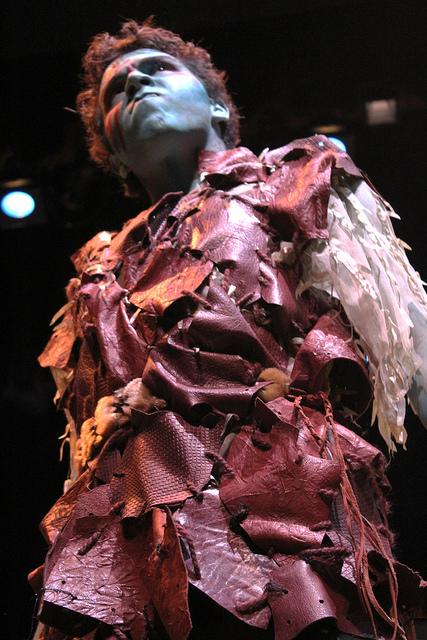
(146, 96)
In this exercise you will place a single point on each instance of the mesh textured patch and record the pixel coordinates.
(164, 462)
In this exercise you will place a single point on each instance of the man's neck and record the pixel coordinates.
(169, 174)
(176, 169)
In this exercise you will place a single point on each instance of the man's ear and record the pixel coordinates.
(119, 168)
(220, 112)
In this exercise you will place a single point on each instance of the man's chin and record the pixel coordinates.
(153, 125)
(161, 134)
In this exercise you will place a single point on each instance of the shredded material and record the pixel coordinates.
(364, 265)
(362, 531)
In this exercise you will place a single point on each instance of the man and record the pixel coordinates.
(208, 360)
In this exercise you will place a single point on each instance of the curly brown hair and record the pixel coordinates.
(105, 48)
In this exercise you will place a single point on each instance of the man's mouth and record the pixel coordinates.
(142, 97)
(147, 94)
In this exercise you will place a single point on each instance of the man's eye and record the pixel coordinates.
(162, 66)
(114, 89)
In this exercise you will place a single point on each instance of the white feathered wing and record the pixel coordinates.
(364, 265)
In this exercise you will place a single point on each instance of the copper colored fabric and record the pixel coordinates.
(165, 575)
(188, 298)
(58, 516)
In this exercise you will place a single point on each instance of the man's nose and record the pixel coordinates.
(135, 80)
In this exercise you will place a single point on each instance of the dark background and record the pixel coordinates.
(293, 65)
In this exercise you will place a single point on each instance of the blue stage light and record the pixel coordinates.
(338, 143)
(18, 204)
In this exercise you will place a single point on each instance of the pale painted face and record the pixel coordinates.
(149, 97)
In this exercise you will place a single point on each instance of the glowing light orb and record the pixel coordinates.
(338, 143)
(17, 204)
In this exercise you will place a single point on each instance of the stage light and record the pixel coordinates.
(338, 143)
(18, 204)
(381, 112)
(21, 204)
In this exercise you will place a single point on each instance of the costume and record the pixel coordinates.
(269, 505)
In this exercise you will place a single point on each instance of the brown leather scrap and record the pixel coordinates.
(93, 573)
(220, 563)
